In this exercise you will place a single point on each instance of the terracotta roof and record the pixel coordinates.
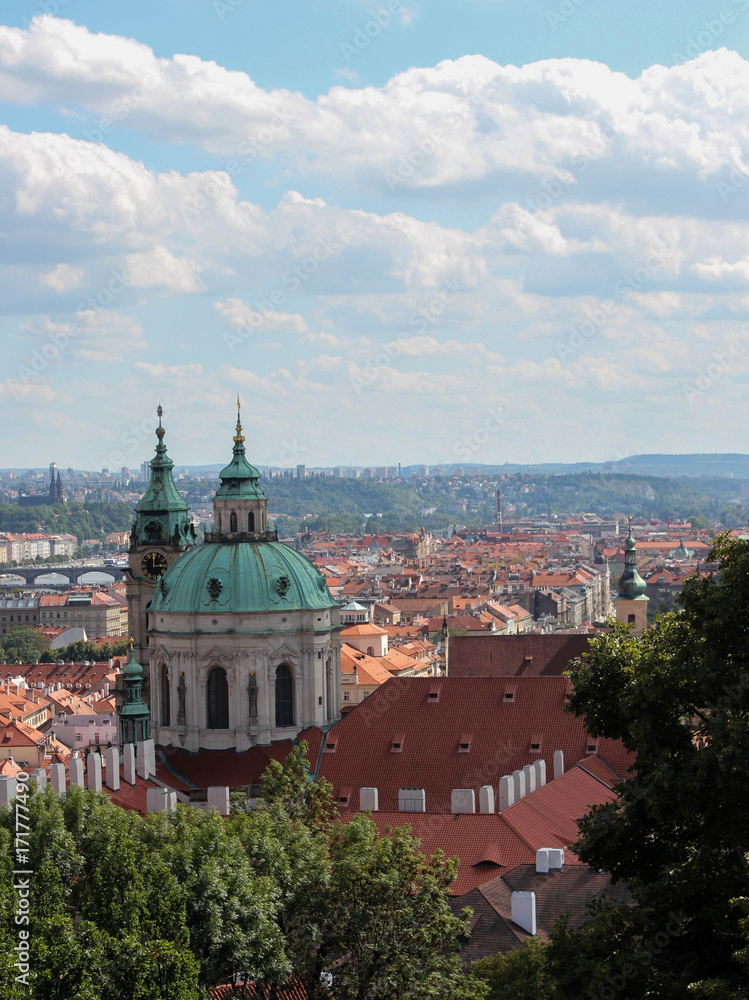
(18, 734)
(502, 730)
(526, 655)
(225, 767)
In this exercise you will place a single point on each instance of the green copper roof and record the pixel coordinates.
(161, 515)
(239, 478)
(132, 669)
(631, 586)
(244, 577)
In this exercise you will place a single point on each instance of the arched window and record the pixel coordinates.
(251, 521)
(218, 521)
(284, 697)
(370, 650)
(166, 713)
(217, 697)
(232, 522)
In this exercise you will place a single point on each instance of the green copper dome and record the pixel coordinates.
(239, 479)
(631, 587)
(241, 576)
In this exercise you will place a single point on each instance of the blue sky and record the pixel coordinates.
(469, 230)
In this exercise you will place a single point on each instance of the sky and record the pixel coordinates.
(474, 231)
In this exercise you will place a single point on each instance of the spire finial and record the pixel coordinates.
(238, 437)
(160, 431)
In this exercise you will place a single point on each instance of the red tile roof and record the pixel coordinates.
(526, 655)
(225, 767)
(430, 758)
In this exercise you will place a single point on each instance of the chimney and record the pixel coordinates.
(558, 764)
(506, 792)
(369, 799)
(463, 800)
(523, 910)
(486, 799)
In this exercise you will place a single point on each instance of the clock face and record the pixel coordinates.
(153, 565)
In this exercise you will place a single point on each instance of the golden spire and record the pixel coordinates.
(238, 437)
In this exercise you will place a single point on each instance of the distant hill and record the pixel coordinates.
(663, 466)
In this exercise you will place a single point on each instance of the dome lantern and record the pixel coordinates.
(240, 507)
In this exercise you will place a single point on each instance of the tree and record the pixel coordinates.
(22, 644)
(678, 698)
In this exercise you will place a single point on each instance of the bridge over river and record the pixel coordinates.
(61, 576)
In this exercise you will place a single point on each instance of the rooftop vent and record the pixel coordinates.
(331, 743)
(434, 693)
(591, 745)
(465, 743)
(536, 741)
(510, 693)
(396, 745)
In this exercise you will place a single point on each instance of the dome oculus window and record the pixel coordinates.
(215, 586)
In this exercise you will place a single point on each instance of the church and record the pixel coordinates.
(238, 634)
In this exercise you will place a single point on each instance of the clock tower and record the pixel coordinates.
(161, 533)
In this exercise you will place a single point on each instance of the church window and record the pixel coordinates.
(218, 521)
(284, 697)
(218, 699)
(631, 619)
(251, 521)
(232, 522)
(370, 650)
(165, 706)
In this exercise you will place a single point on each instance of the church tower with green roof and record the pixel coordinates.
(632, 603)
(162, 532)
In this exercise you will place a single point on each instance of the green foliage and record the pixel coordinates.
(679, 835)
(521, 974)
(76, 652)
(164, 906)
(92, 519)
(22, 644)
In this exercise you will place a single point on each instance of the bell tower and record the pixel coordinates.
(632, 603)
(161, 533)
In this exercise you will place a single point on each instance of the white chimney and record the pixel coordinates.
(558, 764)
(506, 791)
(540, 768)
(486, 799)
(530, 778)
(412, 800)
(523, 910)
(369, 799)
(518, 778)
(463, 800)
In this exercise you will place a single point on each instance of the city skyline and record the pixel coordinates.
(509, 228)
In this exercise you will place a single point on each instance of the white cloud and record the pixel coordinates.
(238, 314)
(562, 124)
